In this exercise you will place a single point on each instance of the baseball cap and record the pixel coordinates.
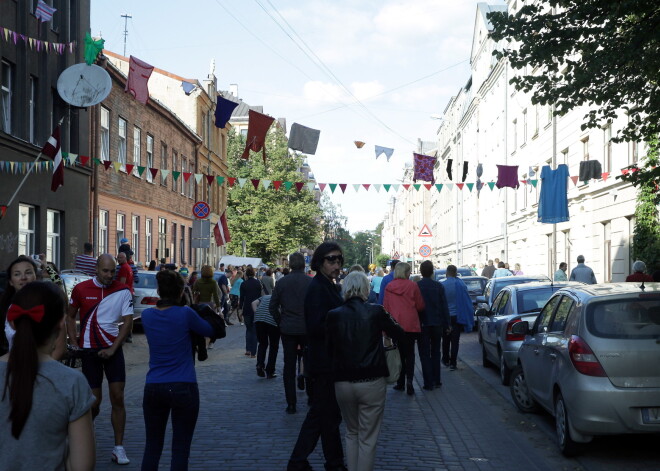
(183, 271)
(124, 241)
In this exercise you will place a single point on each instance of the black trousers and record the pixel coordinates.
(407, 351)
(429, 354)
(322, 421)
(450, 343)
(290, 346)
(268, 336)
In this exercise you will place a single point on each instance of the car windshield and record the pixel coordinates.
(533, 300)
(637, 318)
(146, 281)
(475, 286)
(502, 282)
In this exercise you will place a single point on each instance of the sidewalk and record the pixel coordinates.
(242, 424)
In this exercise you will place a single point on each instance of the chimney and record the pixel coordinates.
(233, 89)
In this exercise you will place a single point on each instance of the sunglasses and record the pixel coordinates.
(334, 258)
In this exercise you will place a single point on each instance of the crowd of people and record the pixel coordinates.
(331, 326)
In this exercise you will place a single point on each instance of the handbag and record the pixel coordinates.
(393, 359)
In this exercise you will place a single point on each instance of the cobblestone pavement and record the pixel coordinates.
(242, 425)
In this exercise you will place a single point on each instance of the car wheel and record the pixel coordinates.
(505, 372)
(566, 444)
(520, 393)
(484, 357)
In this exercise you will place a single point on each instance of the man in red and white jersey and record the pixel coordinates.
(105, 307)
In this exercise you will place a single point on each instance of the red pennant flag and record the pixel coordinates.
(154, 172)
(366, 186)
(460, 185)
(186, 176)
(255, 183)
(209, 179)
(523, 182)
(129, 168)
(343, 187)
(52, 149)
(231, 180)
(3, 211)
(84, 159)
(575, 179)
(107, 163)
(428, 186)
(256, 136)
(406, 186)
(277, 184)
(605, 176)
(299, 186)
(221, 231)
(624, 171)
(322, 186)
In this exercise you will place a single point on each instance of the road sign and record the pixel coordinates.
(425, 232)
(201, 210)
(425, 251)
(201, 234)
(396, 256)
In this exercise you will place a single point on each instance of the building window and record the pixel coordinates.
(148, 229)
(190, 248)
(191, 188)
(182, 245)
(607, 251)
(105, 135)
(121, 228)
(174, 242)
(150, 157)
(607, 148)
(163, 161)
(524, 126)
(244, 133)
(6, 92)
(53, 225)
(548, 115)
(162, 237)
(175, 167)
(184, 165)
(26, 229)
(567, 250)
(536, 119)
(564, 156)
(135, 239)
(103, 231)
(121, 145)
(34, 90)
(585, 148)
(633, 148)
(515, 135)
(137, 142)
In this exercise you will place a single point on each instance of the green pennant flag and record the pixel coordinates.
(220, 180)
(332, 187)
(417, 186)
(533, 182)
(176, 175)
(141, 169)
(439, 187)
(97, 161)
(387, 186)
(470, 185)
(288, 185)
(491, 185)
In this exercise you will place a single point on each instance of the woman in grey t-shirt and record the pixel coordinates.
(45, 418)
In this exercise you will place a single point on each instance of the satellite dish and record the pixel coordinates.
(84, 85)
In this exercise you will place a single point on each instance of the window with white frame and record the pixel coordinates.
(184, 165)
(607, 148)
(548, 114)
(175, 167)
(148, 229)
(6, 92)
(53, 226)
(174, 243)
(150, 157)
(135, 239)
(633, 152)
(162, 237)
(102, 243)
(34, 90)
(536, 119)
(524, 126)
(137, 142)
(121, 144)
(182, 245)
(585, 148)
(121, 228)
(191, 186)
(163, 161)
(26, 223)
(515, 135)
(564, 156)
(105, 134)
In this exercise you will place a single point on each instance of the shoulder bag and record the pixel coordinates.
(393, 358)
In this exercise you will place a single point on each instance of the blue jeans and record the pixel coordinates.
(182, 400)
(250, 334)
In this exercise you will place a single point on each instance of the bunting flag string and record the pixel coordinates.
(36, 44)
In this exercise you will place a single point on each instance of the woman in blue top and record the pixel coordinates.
(171, 384)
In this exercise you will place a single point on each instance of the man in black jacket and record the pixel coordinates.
(287, 306)
(323, 417)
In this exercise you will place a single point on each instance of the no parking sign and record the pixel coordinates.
(425, 250)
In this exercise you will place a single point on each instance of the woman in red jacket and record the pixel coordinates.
(403, 301)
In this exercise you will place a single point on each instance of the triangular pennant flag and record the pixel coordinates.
(129, 168)
(366, 186)
(524, 182)
(72, 158)
(299, 186)
(265, 183)
(255, 183)
(117, 166)
(460, 185)
(356, 186)
(97, 161)
(106, 164)
(12, 167)
(343, 187)
(186, 176)
(534, 182)
(624, 171)
(175, 175)
(428, 186)
(198, 178)
(491, 185)
(231, 181)
(332, 187)
(141, 170)
(395, 187)
(406, 186)
(439, 187)
(241, 182)
(377, 187)
(387, 187)
(417, 186)
(209, 179)
(575, 180)
(605, 175)
(449, 186)
(84, 159)
(311, 186)
(288, 185)
(470, 185)
(220, 180)
(322, 186)
(164, 174)
(384, 150)
(277, 184)
(358, 144)
(154, 172)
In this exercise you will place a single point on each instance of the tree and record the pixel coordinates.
(381, 260)
(333, 219)
(272, 222)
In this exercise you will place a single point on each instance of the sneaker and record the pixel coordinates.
(119, 455)
(210, 347)
(452, 368)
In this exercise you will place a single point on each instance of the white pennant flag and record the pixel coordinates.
(356, 186)
(241, 182)
(311, 186)
(265, 183)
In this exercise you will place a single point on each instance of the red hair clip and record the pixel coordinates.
(36, 313)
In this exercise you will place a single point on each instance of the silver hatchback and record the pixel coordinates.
(592, 359)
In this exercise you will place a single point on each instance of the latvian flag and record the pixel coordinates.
(221, 231)
(52, 150)
(44, 11)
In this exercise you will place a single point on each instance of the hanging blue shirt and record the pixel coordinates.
(553, 203)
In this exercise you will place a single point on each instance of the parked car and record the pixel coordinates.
(591, 360)
(513, 304)
(475, 286)
(495, 285)
(441, 273)
(71, 278)
(145, 292)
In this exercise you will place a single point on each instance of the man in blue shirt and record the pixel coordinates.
(461, 314)
(386, 279)
(583, 273)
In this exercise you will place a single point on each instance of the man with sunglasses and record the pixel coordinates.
(323, 417)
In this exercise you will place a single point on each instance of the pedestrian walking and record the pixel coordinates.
(250, 291)
(323, 417)
(517, 271)
(488, 270)
(268, 337)
(86, 262)
(354, 337)
(268, 282)
(385, 281)
(461, 315)
(287, 306)
(434, 321)
(583, 273)
(171, 383)
(560, 274)
(45, 406)
(103, 303)
(501, 271)
(234, 295)
(639, 275)
(404, 302)
(375, 283)
(20, 272)
(205, 291)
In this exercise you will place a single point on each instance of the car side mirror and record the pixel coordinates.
(481, 312)
(520, 328)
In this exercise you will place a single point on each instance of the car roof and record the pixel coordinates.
(586, 292)
(474, 277)
(521, 278)
(543, 284)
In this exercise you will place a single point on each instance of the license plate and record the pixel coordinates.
(651, 415)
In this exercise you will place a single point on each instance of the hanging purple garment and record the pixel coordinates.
(507, 175)
(223, 111)
(424, 168)
(553, 201)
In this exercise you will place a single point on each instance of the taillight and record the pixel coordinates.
(511, 336)
(583, 358)
(149, 300)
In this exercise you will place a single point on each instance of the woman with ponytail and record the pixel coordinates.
(45, 418)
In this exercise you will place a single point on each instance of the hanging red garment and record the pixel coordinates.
(138, 76)
(256, 137)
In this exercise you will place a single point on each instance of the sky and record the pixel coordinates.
(377, 71)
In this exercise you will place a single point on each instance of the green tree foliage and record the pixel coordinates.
(333, 221)
(272, 223)
(381, 260)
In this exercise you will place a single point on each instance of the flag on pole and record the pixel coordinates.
(52, 149)
(44, 12)
(221, 231)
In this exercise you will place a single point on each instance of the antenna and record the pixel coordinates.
(125, 16)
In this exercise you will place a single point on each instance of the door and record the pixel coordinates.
(489, 326)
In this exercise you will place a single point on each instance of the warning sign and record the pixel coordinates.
(396, 255)
(425, 232)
